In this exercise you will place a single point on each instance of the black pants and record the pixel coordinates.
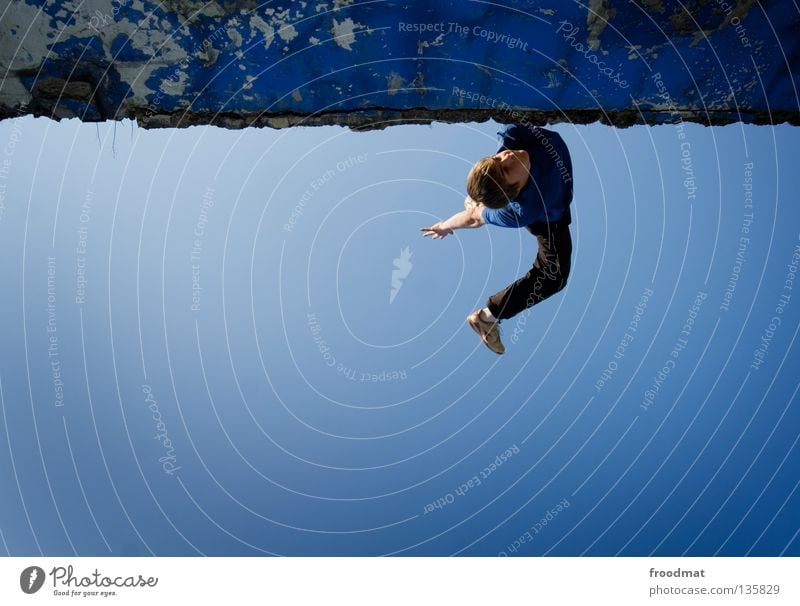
(547, 276)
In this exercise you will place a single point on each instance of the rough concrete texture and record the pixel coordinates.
(373, 63)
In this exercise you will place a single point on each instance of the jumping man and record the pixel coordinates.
(527, 183)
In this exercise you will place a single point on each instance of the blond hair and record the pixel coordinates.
(487, 185)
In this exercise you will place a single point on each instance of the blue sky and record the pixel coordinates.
(211, 420)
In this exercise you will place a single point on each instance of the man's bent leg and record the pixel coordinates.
(547, 276)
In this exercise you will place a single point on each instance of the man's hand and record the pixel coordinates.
(470, 217)
(436, 231)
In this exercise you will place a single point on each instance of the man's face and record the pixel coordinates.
(516, 166)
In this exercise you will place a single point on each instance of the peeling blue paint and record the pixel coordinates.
(185, 61)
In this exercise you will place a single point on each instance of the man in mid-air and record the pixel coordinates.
(527, 183)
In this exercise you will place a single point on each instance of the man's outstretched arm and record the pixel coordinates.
(468, 218)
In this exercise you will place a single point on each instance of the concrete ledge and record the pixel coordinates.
(373, 63)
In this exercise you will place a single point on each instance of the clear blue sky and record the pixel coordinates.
(170, 419)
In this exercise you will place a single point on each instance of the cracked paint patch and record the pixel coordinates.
(288, 33)
(423, 44)
(343, 32)
(249, 82)
(733, 18)
(257, 24)
(235, 37)
(174, 88)
(596, 21)
(654, 6)
(394, 82)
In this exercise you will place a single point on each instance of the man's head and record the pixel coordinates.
(496, 180)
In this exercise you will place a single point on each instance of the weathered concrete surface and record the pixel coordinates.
(371, 63)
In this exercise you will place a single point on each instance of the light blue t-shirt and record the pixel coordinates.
(548, 193)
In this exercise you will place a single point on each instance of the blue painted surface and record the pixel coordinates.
(726, 61)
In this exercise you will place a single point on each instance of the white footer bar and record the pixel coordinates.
(401, 581)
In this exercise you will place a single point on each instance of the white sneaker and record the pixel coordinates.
(489, 332)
